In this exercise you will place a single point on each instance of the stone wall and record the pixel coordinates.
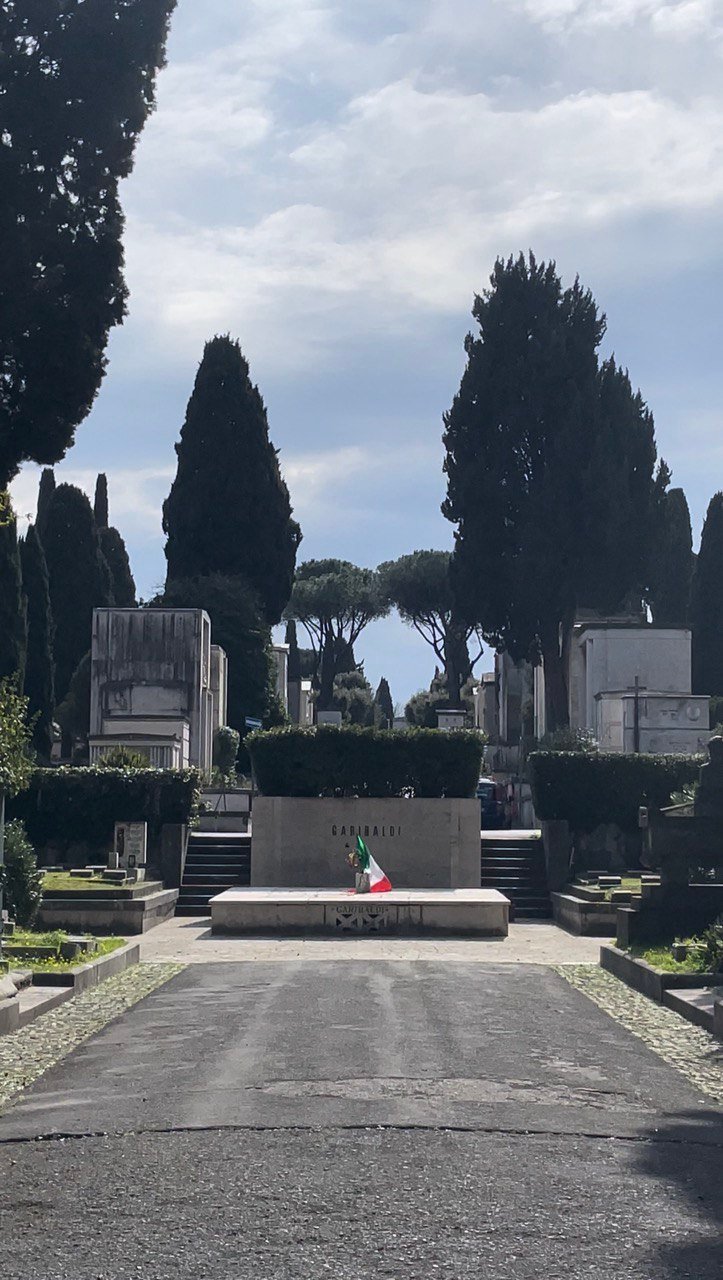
(420, 844)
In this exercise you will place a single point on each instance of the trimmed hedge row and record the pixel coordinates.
(589, 790)
(375, 763)
(76, 806)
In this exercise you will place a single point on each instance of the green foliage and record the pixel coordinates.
(226, 742)
(121, 757)
(39, 665)
(123, 587)
(569, 740)
(46, 489)
(383, 706)
(420, 587)
(334, 601)
(20, 880)
(331, 761)
(229, 511)
(70, 806)
(74, 711)
(78, 84)
(100, 502)
(79, 579)
(422, 708)
(353, 697)
(550, 462)
(710, 948)
(13, 620)
(15, 760)
(591, 789)
(672, 562)
(239, 628)
(707, 604)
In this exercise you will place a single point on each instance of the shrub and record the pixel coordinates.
(20, 878)
(226, 742)
(75, 806)
(121, 758)
(591, 789)
(376, 763)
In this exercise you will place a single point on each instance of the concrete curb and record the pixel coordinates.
(582, 917)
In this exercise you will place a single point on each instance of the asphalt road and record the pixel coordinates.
(357, 1120)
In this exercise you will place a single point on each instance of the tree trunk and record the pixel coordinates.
(327, 673)
(557, 711)
(456, 666)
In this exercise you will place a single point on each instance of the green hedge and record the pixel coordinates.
(378, 763)
(589, 790)
(81, 806)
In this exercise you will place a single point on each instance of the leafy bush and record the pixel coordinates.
(709, 949)
(378, 763)
(20, 878)
(580, 740)
(226, 742)
(74, 806)
(591, 789)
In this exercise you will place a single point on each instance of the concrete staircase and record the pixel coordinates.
(215, 861)
(514, 863)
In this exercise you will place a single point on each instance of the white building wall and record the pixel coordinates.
(610, 658)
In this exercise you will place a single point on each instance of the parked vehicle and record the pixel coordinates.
(491, 797)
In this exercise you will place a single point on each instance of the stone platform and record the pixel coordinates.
(470, 912)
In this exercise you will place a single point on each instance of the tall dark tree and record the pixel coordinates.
(237, 625)
(672, 564)
(13, 625)
(419, 586)
(292, 640)
(79, 579)
(46, 490)
(78, 83)
(39, 666)
(100, 502)
(123, 585)
(550, 471)
(114, 549)
(334, 601)
(229, 511)
(707, 604)
(383, 705)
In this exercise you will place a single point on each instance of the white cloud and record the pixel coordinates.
(136, 494)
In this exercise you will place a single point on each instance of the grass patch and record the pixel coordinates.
(661, 957)
(62, 880)
(42, 963)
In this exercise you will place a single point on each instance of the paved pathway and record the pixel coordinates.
(189, 941)
(375, 1118)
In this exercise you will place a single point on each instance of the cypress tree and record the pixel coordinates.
(707, 604)
(13, 624)
(123, 585)
(78, 83)
(292, 640)
(672, 562)
(100, 503)
(383, 705)
(550, 471)
(79, 579)
(229, 511)
(114, 550)
(39, 670)
(45, 497)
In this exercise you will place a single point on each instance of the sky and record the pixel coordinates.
(332, 183)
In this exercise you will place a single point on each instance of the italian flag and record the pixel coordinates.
(378, 882)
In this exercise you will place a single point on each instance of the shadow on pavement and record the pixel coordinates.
(686, 1152)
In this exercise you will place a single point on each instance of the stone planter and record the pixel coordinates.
(84, 976)
(649, 981)
(126, 912)
(583, 917)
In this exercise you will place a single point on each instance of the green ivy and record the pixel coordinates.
(377, 763)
